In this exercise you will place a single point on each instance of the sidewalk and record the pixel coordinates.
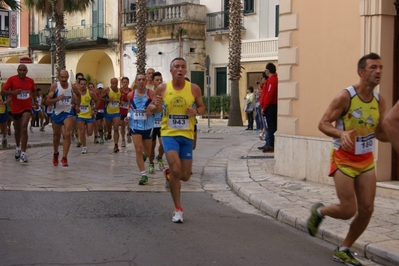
(288, 200)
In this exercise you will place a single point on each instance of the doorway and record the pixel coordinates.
(395, 156)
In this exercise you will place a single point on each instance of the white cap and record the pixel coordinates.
(100, 85)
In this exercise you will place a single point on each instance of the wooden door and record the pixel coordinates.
(395, 156)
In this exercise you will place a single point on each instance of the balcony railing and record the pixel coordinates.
(219, 21)
(78, 33)
(257, 50)
(168, 13)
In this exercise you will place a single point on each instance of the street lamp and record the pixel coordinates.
(49, 33)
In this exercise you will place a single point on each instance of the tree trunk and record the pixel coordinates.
(235, 118)
(141, 27)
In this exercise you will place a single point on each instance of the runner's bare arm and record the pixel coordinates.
(50, 96)
(200, 107)
(379, 131)
(156, 104)
(390, 125)
(336, 108)
(77, 94)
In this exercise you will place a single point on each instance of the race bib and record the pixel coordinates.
(139, 115)
(157, 122)
(65, 101)
(84, 108)
(178, 121)
(23, 95)
(100, 111)
(114, 104)
(125, 105)
(364, 144)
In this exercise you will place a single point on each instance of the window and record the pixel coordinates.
(249, 6)
(277, 20)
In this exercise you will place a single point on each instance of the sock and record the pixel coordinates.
(342, 248)
(143, 173)
(18, 148)
(179, 208)
(318, 211)
(23, 153)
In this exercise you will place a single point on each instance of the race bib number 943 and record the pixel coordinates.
(364, 144)
(178, 121)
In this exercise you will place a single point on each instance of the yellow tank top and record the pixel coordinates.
(175, 121)
(85, 105)
(363, 117)
(3, 106)
(113, 106)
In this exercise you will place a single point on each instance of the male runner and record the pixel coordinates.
(23, 96)
(177, 127)
(124, 107)
(85, 116)
(141, 123)
(356, 112)
(112, 96)
(62, 94)
(156, 133)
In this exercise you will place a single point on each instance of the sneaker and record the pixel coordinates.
(123, 143)
(144, 157)
(79, 144)
(129, 138)
(116, 148)
(96, 140)
(84, 150)
(151, 169)
(160, 164)
(109, 137)
(346, 257)
(143, 180)
(101, 141)
(9, 132)
(41, 129)
(23, 158)
(17, 154)
(314, 220)
(177, 216)
(268, 149)
(55, 159)
(64, 161)
(4, 143)
(105, 136)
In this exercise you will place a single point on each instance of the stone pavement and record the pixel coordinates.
(249, 174)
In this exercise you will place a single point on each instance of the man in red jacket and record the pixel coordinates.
(268, 103)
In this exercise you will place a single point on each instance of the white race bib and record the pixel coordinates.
(65, 101)
(178, 121)
(364, 144)
(157, 122)
(84, 108)
(24, 95)
(100, 111)
(114, 104)
(139, 115)
(125, 105)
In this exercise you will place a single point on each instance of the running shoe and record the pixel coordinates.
(101, 141)
(160, 164)
(123, 143)
(105, 136)
(9, 132)
(96, 140)
(17, 154)
(129, 138)
(109, 137)
(346, 257)
(144, 157)
(4, 143)
(55, 158)
(64, 161)
(79, 144)
(151, 169)
(177, 216)
(314, 220)
(116, 148)
(41, 129)
(143, 180)
(31, 129)
(23, 158)
(84, 150)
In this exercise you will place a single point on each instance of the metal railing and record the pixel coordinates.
(218, 21)
(255, 50)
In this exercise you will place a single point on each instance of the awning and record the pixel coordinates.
(40, 73)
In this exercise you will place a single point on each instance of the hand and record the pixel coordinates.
(126, 119)
(60, 97)
(158, 100)
(17, 91)
(191, 111)
(77, 109)
(346, 139)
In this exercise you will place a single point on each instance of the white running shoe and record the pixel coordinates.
(123, 143)
(17, 154)
(84, 150)
(177, 216)
(31, 129)
(23, 158)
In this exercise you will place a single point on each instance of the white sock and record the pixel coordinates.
(318, 211)
(23, 153)
(143, 173)
(342, 248)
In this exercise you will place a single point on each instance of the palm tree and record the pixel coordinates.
(13, 4)
(141, 28)
(235, 118)
(59, 7)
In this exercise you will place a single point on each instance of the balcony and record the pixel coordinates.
(259, 50)
(168, 13)
(78, 37)
(217, 24)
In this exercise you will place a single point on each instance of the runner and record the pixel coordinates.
(85, 116)
(150, 79)
(355, 112)
(48, 112)
(92, 88)
(112, 95)
(62, 94)
(100, 113)
(156, 133)
(37, 112)
(141, 123)
(177, 127)
(391, 126)
(3, 120)
(23, 93)
(124, 110)
(75, 132)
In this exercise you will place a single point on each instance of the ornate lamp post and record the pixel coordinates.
(50, 34)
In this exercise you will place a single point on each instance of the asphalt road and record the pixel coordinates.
(135, 228)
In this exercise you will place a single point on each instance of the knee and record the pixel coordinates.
(348, 211)
(366, 211)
